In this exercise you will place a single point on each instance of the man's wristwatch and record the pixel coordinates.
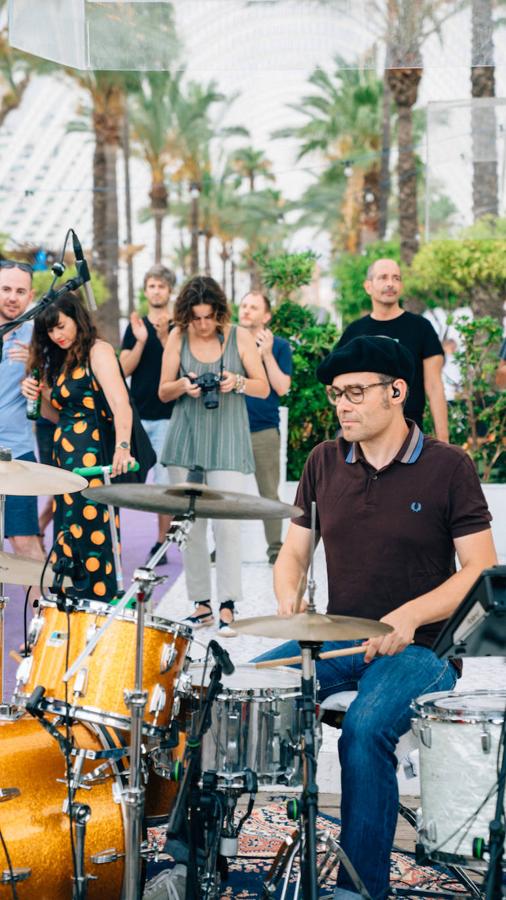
(123, 445)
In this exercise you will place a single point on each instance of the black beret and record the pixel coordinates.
(368, 353)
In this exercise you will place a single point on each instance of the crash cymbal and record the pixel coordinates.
(308, 626)
(29, 479)
(23, 570)
(160, 498)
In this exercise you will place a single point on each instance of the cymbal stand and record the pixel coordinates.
(5, 708)
(144, 580)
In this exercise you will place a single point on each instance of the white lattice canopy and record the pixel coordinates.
(93, 34)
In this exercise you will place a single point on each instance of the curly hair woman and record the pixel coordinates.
(213, 435)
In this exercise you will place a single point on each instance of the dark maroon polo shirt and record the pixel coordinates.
(388, 533)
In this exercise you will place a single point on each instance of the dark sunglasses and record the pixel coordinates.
(14, 264)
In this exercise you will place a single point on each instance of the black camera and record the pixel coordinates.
(209, 384)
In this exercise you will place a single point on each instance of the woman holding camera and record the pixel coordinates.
(208, 366)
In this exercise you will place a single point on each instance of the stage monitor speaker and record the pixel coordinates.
(478, 625)
(135, 35)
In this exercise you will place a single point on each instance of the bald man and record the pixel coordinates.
(384, 286)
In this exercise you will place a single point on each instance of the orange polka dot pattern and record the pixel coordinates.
(76, 443)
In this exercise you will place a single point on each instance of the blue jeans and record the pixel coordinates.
(373, 724)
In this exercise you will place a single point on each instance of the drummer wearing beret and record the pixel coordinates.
(393, 509)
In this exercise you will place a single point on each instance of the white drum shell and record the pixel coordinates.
(458, 737)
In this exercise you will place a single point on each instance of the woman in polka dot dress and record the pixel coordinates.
(65, 349)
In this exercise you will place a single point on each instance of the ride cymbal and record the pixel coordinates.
(160, 498)
(308, 626)
(29, 479)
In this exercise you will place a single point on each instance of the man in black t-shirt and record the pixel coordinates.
(384, 286)
(141, 357)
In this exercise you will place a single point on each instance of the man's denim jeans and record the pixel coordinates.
(372, 726)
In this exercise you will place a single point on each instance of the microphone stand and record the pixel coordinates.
(190, 787)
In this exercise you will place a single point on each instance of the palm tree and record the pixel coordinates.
(107, 91)
(483, 119)
(152, 115)
(249, 164)
(190, 142)
(343, 124)
(406, 27)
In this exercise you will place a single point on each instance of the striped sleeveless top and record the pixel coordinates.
(216, 439)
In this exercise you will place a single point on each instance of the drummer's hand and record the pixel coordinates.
(121, 460)
(404, 627)
(30, 388)
(288, 606)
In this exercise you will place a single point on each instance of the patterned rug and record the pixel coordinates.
(260, 839)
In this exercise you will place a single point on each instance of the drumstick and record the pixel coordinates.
(14, 655)
(292, 660)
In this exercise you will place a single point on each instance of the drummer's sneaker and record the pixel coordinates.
(167, 885)
(201, 619)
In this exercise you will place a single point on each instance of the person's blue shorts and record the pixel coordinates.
(21, 515)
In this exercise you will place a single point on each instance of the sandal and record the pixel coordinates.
(201, 620)
(226, 626)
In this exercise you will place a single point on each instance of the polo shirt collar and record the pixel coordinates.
(408, 453)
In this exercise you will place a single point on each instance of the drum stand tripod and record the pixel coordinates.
(144, 580)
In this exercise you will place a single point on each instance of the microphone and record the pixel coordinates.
(83, 272)
(222, 658)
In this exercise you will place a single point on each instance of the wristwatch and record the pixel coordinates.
(123, 445)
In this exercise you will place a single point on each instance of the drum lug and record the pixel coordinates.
(426, 735)
(81, 682)
(17, 875)
(232, 744)
(8, 793)
(157, 700)
(486, 740)
(24, 670)
(169, 656)
(34, 630)
(106, 856)
(90, 632)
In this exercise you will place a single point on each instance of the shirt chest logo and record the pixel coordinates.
(416, 506)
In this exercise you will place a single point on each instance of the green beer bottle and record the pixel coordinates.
(33, 406)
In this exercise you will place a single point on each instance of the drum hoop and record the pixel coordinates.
(426, 707)
(84, 605)
(256, 695)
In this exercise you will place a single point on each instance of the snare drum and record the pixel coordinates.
(255, 724)
(34, 827)
(96, 691)
(458, 736)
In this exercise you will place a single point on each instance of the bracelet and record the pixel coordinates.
(240, 384)
(123, 445)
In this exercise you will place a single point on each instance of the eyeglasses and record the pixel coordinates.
(355, 393)
(14, 264)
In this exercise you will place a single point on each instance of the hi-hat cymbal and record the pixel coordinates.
(24, 570)
(160, 498)
(29, 479)
(308, 626)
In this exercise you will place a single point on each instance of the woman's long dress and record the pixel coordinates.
(84, 524)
